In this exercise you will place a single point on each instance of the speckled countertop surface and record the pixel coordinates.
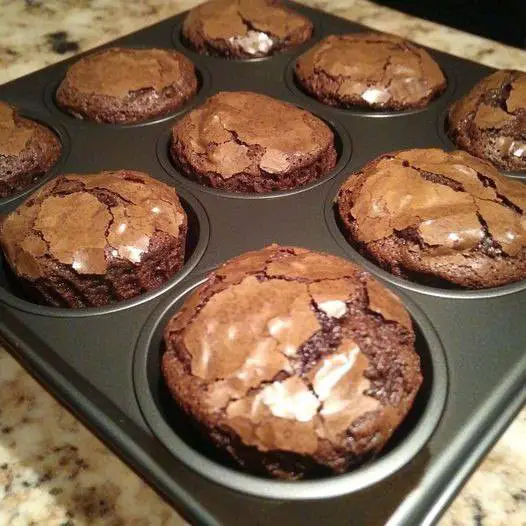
(55, 472)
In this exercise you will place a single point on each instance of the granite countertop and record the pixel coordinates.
(55, 472)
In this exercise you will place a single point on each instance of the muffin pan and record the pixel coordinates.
(103, 363)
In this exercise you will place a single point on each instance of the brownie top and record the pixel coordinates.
(234, 132)
(89, 221)
(452, 201)
(282, 338)
(115, 72)
(495, 101)
(15, 131)
(254, 25)
(377, 68)
(496, 104)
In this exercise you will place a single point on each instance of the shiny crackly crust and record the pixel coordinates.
(244, 141)
(89, 240)
(435, 217)
(372, 70)
(244, 28)
(312, 325)
(490, 121)
(127, 85)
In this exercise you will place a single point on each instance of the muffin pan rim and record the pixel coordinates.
(342, 137)
(332, 486)
(188, 199)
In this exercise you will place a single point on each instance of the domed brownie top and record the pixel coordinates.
(88, 221)
(285, 346)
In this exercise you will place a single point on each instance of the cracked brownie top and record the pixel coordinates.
(127, 84)
(243, 138)
(289, 350)
(27, 150)
(372, 70)
(245, 28)
(427, 213)
(490, 121)
(90, 222)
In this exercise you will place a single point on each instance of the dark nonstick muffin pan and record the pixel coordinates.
(103, 364)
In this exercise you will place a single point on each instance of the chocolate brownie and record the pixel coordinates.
(245, 28)
(126, 85)
(441, 218)
(295, 363)
(490, 121)
(90, 240)
(248, 142)
(373, 70)
(27, 151)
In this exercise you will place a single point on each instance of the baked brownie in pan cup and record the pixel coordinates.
(239, 142)
(32, 150)
(490, 121)
(86, 97)
(455, 224)
(371, 73)
(442, 127)
(97, 243)
(185, 440)
(250, 30)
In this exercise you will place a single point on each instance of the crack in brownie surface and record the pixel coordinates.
(98, 238)
(490, 121)
(284, 356)
(435, 213)
(370, 70)
(245, 28)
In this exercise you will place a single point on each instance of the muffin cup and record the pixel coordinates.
(176, 430)
(342, 143)
(196, 243)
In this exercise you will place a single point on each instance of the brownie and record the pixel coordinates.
(27, 151)
(440, 218)
(248, 142)
(244, 28)
(373, 70)
(490, 121)
(126, 85)
(293, 362)
(91, 240)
